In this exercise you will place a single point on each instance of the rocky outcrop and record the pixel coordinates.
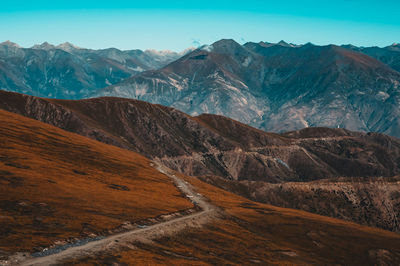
(368, 201)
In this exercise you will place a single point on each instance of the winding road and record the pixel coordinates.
(207, 213)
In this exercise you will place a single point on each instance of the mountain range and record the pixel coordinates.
(271, 86)
(278, 87)
(68, 71)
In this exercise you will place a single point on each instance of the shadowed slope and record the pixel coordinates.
(215, 145)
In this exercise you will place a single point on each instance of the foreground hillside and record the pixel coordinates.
(251, 233)
(57, 186)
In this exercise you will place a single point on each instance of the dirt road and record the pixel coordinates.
(197, 219)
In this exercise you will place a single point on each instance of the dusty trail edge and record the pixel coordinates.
(208, 212)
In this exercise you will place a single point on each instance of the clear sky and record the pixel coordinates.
(176, 25)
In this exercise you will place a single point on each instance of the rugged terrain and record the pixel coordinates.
(252, 233)
(57, 185)
(278, 87)
(210, 144)
(368, 201)
(69, 72)
(215, 146)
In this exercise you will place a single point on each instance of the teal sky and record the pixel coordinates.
(176, 25)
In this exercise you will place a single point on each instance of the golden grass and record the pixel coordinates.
(56, 185)
(261, 234)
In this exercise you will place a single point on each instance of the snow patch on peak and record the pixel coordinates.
(207, 48)
(159, 52)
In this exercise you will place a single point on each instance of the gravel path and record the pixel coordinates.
(208, 212)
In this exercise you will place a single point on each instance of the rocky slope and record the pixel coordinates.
(258, 234)
(69, 72)
(211, 145)
(66, 199)
(369, 201)
(276, 87)
(215, 145)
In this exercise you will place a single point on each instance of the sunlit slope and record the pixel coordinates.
(252, 233)
(57, 185)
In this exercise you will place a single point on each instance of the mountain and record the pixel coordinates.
(66, 71)
(66, 199)
(213, 147)
(389, 55)
(275, 87)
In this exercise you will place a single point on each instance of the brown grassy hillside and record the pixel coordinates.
(259, 234)
(57, 185)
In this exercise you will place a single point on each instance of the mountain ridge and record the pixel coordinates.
(214, 146)
(275, 87)
(68, 71)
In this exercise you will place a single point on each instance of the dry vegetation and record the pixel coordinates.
(255, 233)
(57, 185)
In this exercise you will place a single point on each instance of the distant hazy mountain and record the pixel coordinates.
(278, 87)
(67, 71)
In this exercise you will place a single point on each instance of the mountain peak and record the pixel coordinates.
(226, 46)
(67, 46)
(266, 44)
(43, 46)
(10, 44)
(283, 43)
(225, 42)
